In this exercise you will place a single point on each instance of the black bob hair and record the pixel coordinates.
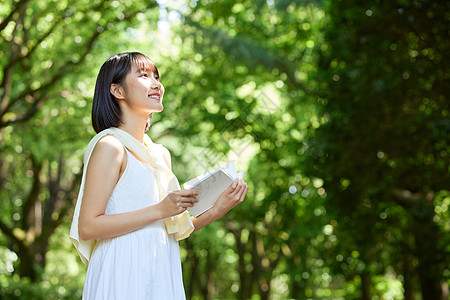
(105, 107)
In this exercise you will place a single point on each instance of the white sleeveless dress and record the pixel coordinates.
(143, 264)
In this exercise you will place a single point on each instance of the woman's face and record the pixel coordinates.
(143, 90)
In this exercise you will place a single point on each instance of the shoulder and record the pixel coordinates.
(109, 152)
(109, 145)
(110, 141)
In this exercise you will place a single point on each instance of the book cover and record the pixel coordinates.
(210, 186)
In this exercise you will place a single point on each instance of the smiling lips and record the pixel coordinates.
(155, 97)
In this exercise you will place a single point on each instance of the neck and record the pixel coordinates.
(134, 126)
(138, 134)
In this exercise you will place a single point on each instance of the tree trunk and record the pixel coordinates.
(265, 266)
(208, 287)
(427, 237)
(26, 266)
(298, 283)
(366, 284)
(445, 291)
(254, 274)
(264, 290)
(193, 261)
(32, 253)
(243, 280)
(408, 272)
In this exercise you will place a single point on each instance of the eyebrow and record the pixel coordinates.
(145, 70)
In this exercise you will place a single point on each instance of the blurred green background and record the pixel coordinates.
(337, 112)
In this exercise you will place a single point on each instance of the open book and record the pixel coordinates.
(210, 186)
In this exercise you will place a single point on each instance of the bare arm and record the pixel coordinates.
(103, 172)
(229, 199)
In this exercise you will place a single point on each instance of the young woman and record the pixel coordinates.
(130, 211)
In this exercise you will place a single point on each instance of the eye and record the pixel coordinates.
(157, 77)
(145, 75)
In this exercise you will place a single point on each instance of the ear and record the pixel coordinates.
(117, 91)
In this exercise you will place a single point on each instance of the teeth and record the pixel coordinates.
(155, 97)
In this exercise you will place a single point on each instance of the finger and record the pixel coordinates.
(181, 208)
(235, 182)
(241, 191)
(238, 188)
(230, 188)
(189, 193)
(186, 204)
(243, 194)
(193, 199)
(189, 200)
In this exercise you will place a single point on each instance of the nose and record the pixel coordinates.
(156, 85)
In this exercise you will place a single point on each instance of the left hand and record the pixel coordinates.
(230, 198)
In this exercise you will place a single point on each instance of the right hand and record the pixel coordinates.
(230, 198)
(178, 201)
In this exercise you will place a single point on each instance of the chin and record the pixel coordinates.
(159, 109)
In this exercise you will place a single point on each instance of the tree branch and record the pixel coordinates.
(6, 84)
(9, 233)
(15, 8)
(38, 42)
(27, 115)
(7, 104)
(33, 23)
(43, 88)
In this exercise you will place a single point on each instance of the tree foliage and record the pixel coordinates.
(335, 110)
(383, 147)
(44, 114)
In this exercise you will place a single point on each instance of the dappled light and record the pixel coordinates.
(336, 111)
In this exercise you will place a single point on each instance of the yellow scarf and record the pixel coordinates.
(154, 155)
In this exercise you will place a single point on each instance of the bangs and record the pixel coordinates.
(143, 63)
